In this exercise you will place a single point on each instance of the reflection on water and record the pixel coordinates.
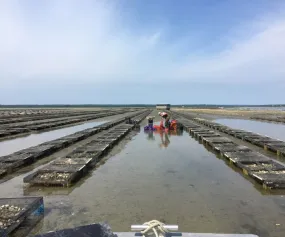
(150, 135)
(10, 146)
(164, 140)
(273, 130)
(164, 136)
(183, 184)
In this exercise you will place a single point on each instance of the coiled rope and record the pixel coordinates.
(154, 226)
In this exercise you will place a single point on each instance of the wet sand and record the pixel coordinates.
(238, 113)
(175, 180)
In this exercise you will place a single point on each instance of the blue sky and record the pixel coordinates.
(142, 51)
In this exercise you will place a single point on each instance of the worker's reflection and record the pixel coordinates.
(164, 140)
(150, 135)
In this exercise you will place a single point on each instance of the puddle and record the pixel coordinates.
(273, 130)
(10, 146)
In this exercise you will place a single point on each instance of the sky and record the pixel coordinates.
(142, 51)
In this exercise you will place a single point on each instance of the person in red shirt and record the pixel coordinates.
(166, 118)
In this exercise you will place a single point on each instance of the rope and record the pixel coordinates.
(154, 226)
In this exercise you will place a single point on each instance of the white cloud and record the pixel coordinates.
(90, 41)
(256, 58)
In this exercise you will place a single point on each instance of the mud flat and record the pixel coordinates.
(12, 113)
(8, 121)
(235, 113)
(13, 145)
(67, 170)
(41, 116)
(11, 163)
(275, 145)
(16, 129)
(270, 118)
(149, 177)
(154, 175)
(264, 170)
(45, 112)
(22, 142)
(254, 137)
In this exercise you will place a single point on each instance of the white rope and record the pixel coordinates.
(156, 227)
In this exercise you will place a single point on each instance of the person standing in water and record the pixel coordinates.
(166, 119)
(150, 122)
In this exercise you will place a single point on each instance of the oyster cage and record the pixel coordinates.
(20, 215)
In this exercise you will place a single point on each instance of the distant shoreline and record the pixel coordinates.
(208, 106)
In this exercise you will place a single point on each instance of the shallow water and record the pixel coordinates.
(273, 130)
(10, 146)
(175, 180)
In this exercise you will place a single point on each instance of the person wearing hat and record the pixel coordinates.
(166, 119)
(150, 121)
